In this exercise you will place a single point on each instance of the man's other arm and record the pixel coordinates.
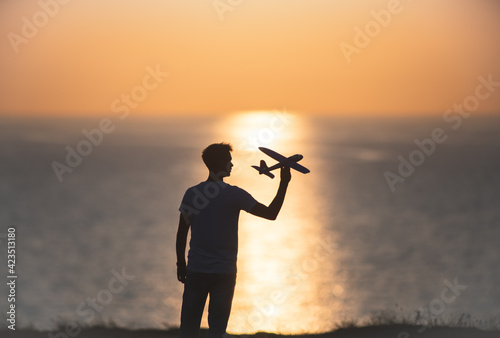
(271, 212)
(180, 246)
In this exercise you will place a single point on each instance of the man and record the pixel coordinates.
(211, 209)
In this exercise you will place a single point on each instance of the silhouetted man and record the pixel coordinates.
(212, 209)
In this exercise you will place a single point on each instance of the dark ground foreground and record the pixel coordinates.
(388, 331)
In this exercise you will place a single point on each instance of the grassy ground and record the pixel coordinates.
(386, 324)
(383, 331)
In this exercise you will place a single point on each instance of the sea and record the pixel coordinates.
(398, 220)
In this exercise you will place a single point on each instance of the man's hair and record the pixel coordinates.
(214, 153)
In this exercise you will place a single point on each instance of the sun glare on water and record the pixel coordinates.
(278, 287)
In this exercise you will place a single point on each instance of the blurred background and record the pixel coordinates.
(105, 108)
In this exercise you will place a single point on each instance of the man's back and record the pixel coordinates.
(215, 209)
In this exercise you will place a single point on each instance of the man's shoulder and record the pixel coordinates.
(196, 186)
(204, 184)
(234, 188)
(211, 186)
(191, 191)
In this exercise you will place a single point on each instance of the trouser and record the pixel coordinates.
(196, 288)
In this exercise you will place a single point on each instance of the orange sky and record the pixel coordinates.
(265, 54)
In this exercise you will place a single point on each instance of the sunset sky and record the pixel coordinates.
(252, 55)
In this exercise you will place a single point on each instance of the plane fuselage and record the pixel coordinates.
(292, 159)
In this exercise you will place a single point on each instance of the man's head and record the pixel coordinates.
(217, 158)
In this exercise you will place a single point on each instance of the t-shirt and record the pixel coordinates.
(212, 209)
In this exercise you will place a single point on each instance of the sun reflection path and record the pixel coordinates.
(285, 267)
(247, 131)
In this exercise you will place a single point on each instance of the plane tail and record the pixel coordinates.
(263, 165)
(263, 169)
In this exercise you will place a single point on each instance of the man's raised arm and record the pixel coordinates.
(272, 211)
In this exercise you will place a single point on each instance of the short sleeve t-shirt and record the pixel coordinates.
(213, 209)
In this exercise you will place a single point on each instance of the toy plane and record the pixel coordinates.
(282, 162)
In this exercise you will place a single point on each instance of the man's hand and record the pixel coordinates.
(272, 211)
(181, 272)
(286, 176)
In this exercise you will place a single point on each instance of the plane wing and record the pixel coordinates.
(273, 154)
(298, 167)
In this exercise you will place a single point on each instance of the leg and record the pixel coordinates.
(219, 307)
(193, 303)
